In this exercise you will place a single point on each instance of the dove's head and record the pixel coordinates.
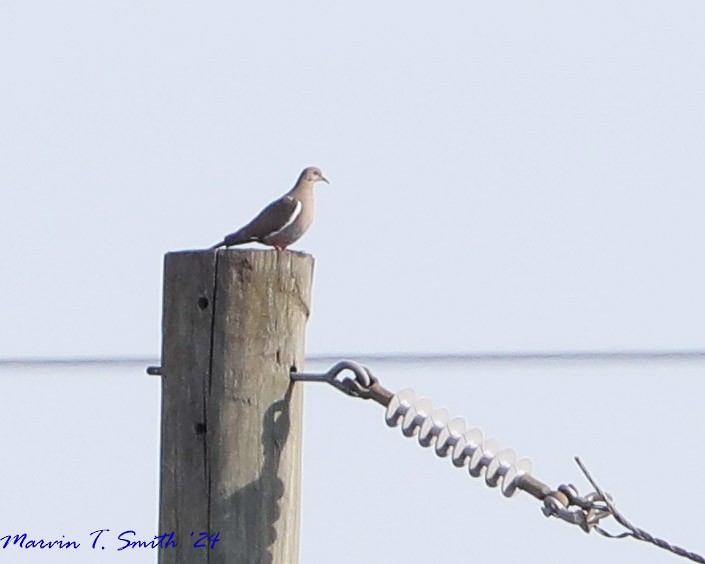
(313, 174)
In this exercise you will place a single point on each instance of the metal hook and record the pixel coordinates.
(358, 386)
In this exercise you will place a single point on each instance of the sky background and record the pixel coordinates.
(513, 176)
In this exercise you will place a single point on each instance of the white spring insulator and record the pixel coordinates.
(465, 445)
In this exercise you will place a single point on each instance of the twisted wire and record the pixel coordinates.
(635, 532)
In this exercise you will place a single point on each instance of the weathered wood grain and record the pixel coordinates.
(189, 283)
(231, 421)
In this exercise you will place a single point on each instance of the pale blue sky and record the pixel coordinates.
(522, 175)
(504, 176)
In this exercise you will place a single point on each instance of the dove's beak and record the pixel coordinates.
(324, 179)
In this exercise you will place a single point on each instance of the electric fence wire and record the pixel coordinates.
(467, 447)
(686, 355)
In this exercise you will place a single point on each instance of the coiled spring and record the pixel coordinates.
(465, 445)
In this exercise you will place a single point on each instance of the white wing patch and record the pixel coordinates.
(292, 219)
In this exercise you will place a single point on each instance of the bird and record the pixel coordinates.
(283, 221)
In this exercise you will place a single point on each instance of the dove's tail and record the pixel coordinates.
(238, 238)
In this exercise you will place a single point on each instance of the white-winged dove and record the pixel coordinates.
(284, 220)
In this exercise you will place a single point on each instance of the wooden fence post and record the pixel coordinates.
(233, 327)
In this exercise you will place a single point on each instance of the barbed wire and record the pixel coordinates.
(466, 447)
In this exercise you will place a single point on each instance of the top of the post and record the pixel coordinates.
(250, 252)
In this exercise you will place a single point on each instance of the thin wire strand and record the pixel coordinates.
(635, 532)
(402, 358)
